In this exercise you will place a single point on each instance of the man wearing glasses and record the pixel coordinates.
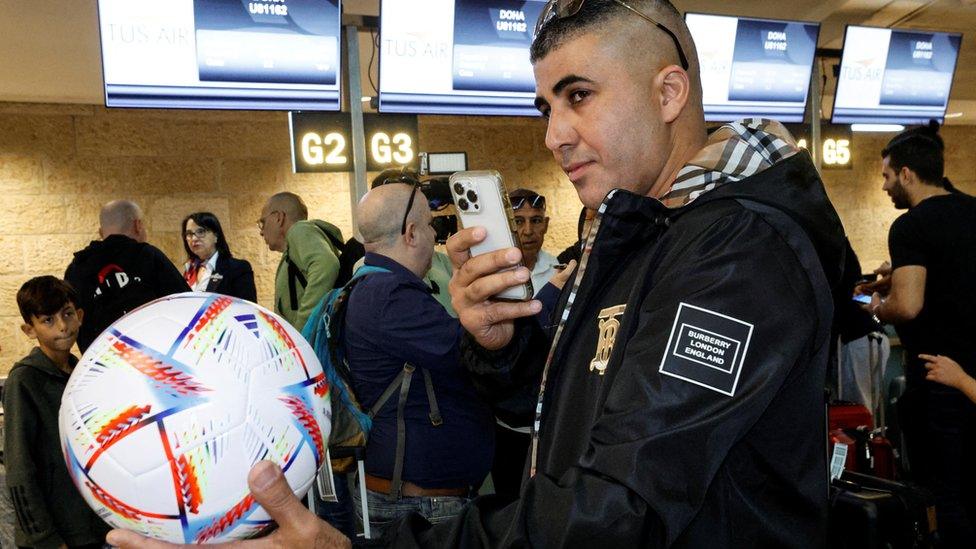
(682, 388)
(439, 274)
(309, 255)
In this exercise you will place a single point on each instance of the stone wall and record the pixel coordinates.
(59, 163)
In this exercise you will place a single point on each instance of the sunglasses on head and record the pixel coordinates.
(561, 9)
(533, 201)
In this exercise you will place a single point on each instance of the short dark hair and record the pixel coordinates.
(591, 14)
(44, 295)
(920, 150)
(210, 222)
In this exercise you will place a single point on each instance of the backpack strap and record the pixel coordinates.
(322, 331)
(339, 247)
(401, 384)
(294, 276)
(397, 480)
(435, 414)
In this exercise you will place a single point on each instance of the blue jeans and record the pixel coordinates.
(338, 514)
(385, 509)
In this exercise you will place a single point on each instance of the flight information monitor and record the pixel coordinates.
(753, 67)
(457, 56)
(894, 76)
(221, 54)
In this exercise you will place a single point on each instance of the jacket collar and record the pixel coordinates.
(402, 273)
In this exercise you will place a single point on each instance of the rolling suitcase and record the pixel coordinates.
(848, 415)
(868, 512)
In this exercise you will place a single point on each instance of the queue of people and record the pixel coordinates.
(122, 271)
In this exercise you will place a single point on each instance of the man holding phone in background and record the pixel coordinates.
(926, 293)
(682, 394)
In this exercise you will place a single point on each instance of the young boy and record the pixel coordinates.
(50, 512)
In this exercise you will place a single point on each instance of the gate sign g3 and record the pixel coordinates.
(322, 142)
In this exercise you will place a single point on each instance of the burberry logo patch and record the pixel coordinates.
(609, 325)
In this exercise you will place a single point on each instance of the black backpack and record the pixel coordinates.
(348, 253)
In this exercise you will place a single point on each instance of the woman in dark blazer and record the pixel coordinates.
(210, 266)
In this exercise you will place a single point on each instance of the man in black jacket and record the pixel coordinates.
(682, 390)
(120, 272)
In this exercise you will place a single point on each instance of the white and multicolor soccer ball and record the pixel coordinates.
(171, 406)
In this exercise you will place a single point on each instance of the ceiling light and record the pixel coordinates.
(877, 127)
(366, 99)
(953, 114)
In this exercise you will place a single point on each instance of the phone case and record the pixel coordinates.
(481, 200)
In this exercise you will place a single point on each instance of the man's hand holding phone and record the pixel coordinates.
(881, 285)
(477, 279)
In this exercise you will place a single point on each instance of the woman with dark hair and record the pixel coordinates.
(210, 267)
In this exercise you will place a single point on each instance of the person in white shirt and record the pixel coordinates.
(511, 439)
(210, 266)
(532, 224)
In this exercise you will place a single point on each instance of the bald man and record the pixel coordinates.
(309, 255)
(682, 399)
(432, 465)
(119, 272)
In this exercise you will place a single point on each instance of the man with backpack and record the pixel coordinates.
(310, 251)
(120, 272)
(310, 266)
(432, 438)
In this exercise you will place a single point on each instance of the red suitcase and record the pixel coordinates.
(848, 415)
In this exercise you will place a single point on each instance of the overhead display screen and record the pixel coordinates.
(221, 54)
(894, 76)
(457, 56)
(753, 67)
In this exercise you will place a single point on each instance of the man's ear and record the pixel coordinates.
(81, 314)
(410, 235)
(907, 175)
(28, 330)
(675, 88)
(138, 227)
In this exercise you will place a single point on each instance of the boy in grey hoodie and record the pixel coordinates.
(50, 511)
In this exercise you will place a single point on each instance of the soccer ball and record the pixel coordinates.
(171, 406)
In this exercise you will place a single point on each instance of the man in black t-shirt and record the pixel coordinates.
(930, 300)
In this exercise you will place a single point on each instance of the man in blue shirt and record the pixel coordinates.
(393, 321)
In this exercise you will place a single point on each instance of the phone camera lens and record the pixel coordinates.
(472, 196)
(463, 204)
(458, 189)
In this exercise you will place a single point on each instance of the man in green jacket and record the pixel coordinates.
(309, 262)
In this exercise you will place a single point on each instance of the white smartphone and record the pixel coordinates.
(482, 201)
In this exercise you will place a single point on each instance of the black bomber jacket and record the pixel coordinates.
(684, 406)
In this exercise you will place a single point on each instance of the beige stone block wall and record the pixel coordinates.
(59, 163)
